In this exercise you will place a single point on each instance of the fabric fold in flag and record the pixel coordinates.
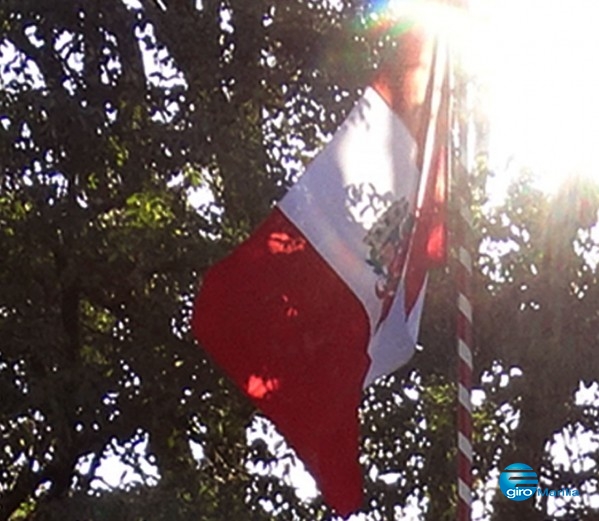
(326, 295)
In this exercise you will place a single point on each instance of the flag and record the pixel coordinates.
(326, 295)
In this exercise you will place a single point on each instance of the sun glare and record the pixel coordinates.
(538, 59)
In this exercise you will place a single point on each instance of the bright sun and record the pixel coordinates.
(539, 58)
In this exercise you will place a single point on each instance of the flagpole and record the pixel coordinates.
(463, 275)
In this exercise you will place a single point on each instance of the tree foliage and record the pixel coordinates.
(140, 141)
(112, 115)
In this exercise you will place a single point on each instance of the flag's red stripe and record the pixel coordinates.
(429, 240)
(290, 333)
(403, 80)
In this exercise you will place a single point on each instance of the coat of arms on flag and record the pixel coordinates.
(389, 239)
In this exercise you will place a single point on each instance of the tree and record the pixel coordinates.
(114, 116)
(546, 288)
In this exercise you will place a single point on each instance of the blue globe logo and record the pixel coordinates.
(518, 482)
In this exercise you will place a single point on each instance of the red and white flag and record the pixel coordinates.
(327, 294)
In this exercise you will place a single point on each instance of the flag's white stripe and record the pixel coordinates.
(464, 398)
(370, 162)
(465, 307)
(464, 492)
(465, 353)
(465, 446)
